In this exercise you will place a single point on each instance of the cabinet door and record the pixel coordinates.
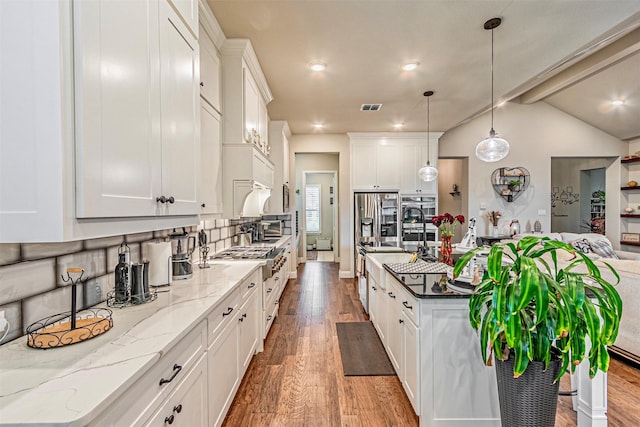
(210, 188)
(382, 301)
(394, 337)
(209, 70)
(188, 11)
(180, 104)
(411, 158)
(430, 187)
(187, 406)
(251, 96)
(118, 163)
(373, 303)
(411, 362)
(388, 166)
(263, 120)
(224, 377)
(249, 317)
(363, 166)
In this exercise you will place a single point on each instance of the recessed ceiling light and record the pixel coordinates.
(317, 66)
(318, 126)
(617, 102)
(410, 66)
(398, 125)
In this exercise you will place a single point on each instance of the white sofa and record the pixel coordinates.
(628, 267)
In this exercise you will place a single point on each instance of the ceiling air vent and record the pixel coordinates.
(370, 107)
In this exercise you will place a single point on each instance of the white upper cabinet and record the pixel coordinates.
(188, 11)
(180, 102)
(279, 134)
(137, 93)
(210, 70)
(210, 188)
(109, 117)
(414, 154)
(375, 162)
(245, 93)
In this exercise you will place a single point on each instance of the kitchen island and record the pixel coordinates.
(436, 353)
(157, 356)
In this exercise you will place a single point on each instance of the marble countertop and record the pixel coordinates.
(72, 385)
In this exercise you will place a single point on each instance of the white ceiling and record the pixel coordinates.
(364, 44)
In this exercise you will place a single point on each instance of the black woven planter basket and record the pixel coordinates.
(531, 399)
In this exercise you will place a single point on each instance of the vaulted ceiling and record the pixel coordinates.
(576, 55)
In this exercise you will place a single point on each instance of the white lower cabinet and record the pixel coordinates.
(187, 406)
(411, 361)
(224, 375)
(249, 318)
(381, 301)
(395, 325)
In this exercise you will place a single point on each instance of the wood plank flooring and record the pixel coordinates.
(298, 380)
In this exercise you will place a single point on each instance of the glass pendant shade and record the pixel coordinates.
(428, 173)
(493, 148)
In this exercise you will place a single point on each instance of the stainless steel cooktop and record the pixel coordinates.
(243, 252)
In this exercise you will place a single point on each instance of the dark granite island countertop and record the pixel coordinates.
(422, 279)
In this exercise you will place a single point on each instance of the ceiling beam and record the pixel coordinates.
(598, 61)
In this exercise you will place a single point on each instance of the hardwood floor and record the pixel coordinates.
(298, 380)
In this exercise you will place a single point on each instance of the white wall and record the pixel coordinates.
(536, 133)
(330, 143)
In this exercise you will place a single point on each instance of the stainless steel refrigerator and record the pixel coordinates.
(376, 219)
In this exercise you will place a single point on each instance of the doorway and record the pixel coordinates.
(320, 215)
(578, 194)
(453, 194)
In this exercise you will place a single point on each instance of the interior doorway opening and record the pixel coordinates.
(319, 214)
(578, 194)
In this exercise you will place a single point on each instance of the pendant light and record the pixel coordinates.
(428, 172)
(492, 148)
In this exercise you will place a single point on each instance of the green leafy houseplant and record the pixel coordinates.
(527, 305)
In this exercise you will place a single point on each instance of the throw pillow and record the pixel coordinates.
(603, 248)
(582, 245)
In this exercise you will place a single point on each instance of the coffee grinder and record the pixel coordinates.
(182, 246)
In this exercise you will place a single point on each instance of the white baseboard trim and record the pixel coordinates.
(346, 274)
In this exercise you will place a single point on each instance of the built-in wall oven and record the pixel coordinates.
(417, 212)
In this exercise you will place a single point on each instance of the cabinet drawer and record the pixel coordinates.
(269, 316)
(410, 305)
(187, 405)
(222, 314)
(269, 290)
(145, 396)
(251, 284)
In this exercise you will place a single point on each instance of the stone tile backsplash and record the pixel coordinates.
(31, 287)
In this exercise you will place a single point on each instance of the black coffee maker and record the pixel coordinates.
(182, 247)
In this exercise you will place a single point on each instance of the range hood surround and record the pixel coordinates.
(250, 198)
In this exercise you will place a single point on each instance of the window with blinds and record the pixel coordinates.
(312, 196)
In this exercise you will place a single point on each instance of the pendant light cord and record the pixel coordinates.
(428, 134)
(492, 131)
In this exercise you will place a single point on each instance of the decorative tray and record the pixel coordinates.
(63, 329)
(419, 267)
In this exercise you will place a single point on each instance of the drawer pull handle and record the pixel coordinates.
(407, 305)
(251, 285)
(176, 370)
(392, 295)
(169, 419)
(374, 288)
(401, 321)
(269, 317)
(269, 290)
(178, 408)
(244, 316)
(228, 312)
